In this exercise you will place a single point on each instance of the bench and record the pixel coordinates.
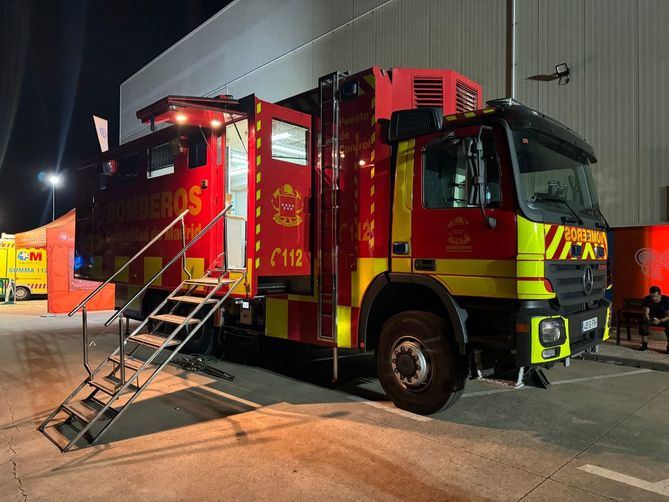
(631, 314)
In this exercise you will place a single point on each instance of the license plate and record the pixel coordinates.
(589, 324)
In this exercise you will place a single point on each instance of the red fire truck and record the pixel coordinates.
(389, 211)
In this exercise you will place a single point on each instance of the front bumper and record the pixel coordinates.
(529, 349)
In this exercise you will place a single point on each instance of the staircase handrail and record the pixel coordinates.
(85, 301)
(197, 237)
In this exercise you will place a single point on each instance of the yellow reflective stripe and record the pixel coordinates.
(530, 268)
(565, 251)
(370, 80)
(607, 326)
(401, 230)
(343, 326)
(195, 266)
(366, 270)
(152, 265)
(530, 237)
(557, 239)
(480, 268)
(533, 290)
(401, 264)
(119, 261)
(485, 287)
(276, 316)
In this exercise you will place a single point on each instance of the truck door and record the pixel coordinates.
(280, 204)
(450, 237)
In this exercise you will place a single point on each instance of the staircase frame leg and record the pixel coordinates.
(173, 353)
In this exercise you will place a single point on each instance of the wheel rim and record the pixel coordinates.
(411, 364)
(21, 293)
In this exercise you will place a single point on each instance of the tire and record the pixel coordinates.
(407, 340)
(201, 343)
(22, 293)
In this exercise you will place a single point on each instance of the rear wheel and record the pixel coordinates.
(417, 367)
(22, 293)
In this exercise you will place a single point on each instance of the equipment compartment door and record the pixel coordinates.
(281, 202)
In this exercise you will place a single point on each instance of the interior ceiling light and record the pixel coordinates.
(181, 118)
(215, 123)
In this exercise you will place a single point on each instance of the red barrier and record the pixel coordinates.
(640, 260)
(64, 291)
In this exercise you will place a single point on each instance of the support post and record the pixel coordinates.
(335, 365)
(121, 340)
(84, 332)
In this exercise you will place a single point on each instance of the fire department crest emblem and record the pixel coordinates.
(287, 202)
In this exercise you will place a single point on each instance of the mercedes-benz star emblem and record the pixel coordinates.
(588, 280)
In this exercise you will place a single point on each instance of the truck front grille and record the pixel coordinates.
(567, 280)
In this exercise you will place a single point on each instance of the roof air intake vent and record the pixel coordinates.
(428, 92)
(466, 98)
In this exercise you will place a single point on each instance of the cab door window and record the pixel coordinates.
(449, 173)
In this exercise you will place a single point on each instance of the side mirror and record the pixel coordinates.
(406, 124)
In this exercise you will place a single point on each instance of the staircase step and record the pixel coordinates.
(210, 281)
(173, 319)
(110, 386)
(191, 299)
(150, 340)
(87, 410)
(55, 436)
(133, 364)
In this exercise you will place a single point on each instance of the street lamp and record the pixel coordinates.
(54, 180)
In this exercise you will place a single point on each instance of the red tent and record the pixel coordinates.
(64, 291)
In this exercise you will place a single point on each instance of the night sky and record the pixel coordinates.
(60, 63)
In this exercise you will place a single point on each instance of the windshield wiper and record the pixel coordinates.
(549, 198)
(606, 225)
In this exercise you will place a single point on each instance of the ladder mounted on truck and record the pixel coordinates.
(108, 390)
(328, 200)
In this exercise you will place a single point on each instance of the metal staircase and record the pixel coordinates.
(101, 398)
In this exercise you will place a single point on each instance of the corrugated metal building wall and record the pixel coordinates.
(617, 50)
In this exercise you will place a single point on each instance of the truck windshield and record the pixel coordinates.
(554, 176)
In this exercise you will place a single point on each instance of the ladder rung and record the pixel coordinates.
(191, 299)
(133, 364)
(150, 340)
(87, 410)
(110, 387)
(173, 319)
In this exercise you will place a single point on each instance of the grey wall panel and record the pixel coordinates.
(331, 52)
(240, 39)
(483, 46)
(653, 110)
(617, 50)
(611, 104)
(363, 45)
(551, 33)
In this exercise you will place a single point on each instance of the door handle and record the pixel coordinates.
(425, 264)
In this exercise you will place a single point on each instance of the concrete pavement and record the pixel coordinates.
(280, 432)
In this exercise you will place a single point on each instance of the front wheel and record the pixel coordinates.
(417, 367)
(22, 293)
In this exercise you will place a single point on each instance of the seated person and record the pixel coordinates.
(655, 313)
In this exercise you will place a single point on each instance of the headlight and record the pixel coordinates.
(551, 331)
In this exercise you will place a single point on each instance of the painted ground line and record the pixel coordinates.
(659, 487)
(390, 409)
(558, 382)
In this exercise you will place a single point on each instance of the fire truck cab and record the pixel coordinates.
(388, 210)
